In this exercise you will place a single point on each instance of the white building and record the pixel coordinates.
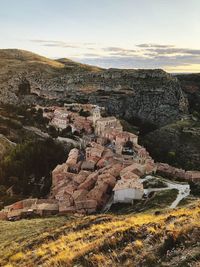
(125, 191)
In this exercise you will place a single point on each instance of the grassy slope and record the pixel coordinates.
(145, 239)
(5, 146)
(14, 60)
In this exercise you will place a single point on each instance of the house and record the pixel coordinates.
(73, 157)
(123, 137)
(94, 152)
(194, 176)
(125, 191)
(135, 168)
(88, 166)
(82, 124)
(29, 207)
(107, 123)
(60, 119)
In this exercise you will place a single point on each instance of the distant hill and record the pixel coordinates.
(141, 95)
(21, 60)
(75, 66)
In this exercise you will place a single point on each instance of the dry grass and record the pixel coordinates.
(15, 60)
(102, 240)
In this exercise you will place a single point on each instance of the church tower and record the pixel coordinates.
(96, 115)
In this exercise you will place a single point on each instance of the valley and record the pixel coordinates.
(115, 153)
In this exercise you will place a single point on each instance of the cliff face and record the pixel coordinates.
(149, 95)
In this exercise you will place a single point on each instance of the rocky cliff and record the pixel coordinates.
(148, 95)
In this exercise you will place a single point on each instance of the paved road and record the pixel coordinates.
(183, 190)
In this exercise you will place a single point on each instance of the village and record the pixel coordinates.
(107, 166)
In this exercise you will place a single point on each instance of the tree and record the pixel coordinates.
(84, 113)
(30, 162)
(52, 131)
(129, 144)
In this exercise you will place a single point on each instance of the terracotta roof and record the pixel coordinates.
(128, 184)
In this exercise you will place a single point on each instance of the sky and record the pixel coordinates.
(108, 33)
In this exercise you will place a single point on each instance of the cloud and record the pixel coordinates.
(154, 45)
(118, 49)
(168, 51)
(61, 44)
(90, 55)
(147, 55)
(142, 61)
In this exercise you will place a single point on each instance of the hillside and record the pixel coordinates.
(15, 58)
(177, 144)
(5, 146)
(165, 238)
(152, 96)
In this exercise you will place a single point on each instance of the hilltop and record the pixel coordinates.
(22, 59)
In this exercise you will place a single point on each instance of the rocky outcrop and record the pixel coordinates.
(149, 95)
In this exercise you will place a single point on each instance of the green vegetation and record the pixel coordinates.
(143, 239)
(177, 144)
(24, 115)
(28, 167)
(84, 113)
(129, 127)
(5, 146)
(154, 183)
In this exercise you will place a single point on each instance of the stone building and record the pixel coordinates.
(60, 119)
(96, 114)
(126, 190)
(94, 151)
(107, 123)
(102, 123)
(73, 157)
(193, 176)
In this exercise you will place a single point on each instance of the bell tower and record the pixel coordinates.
(96, 115)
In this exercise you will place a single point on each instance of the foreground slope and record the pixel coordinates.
(169, 238)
